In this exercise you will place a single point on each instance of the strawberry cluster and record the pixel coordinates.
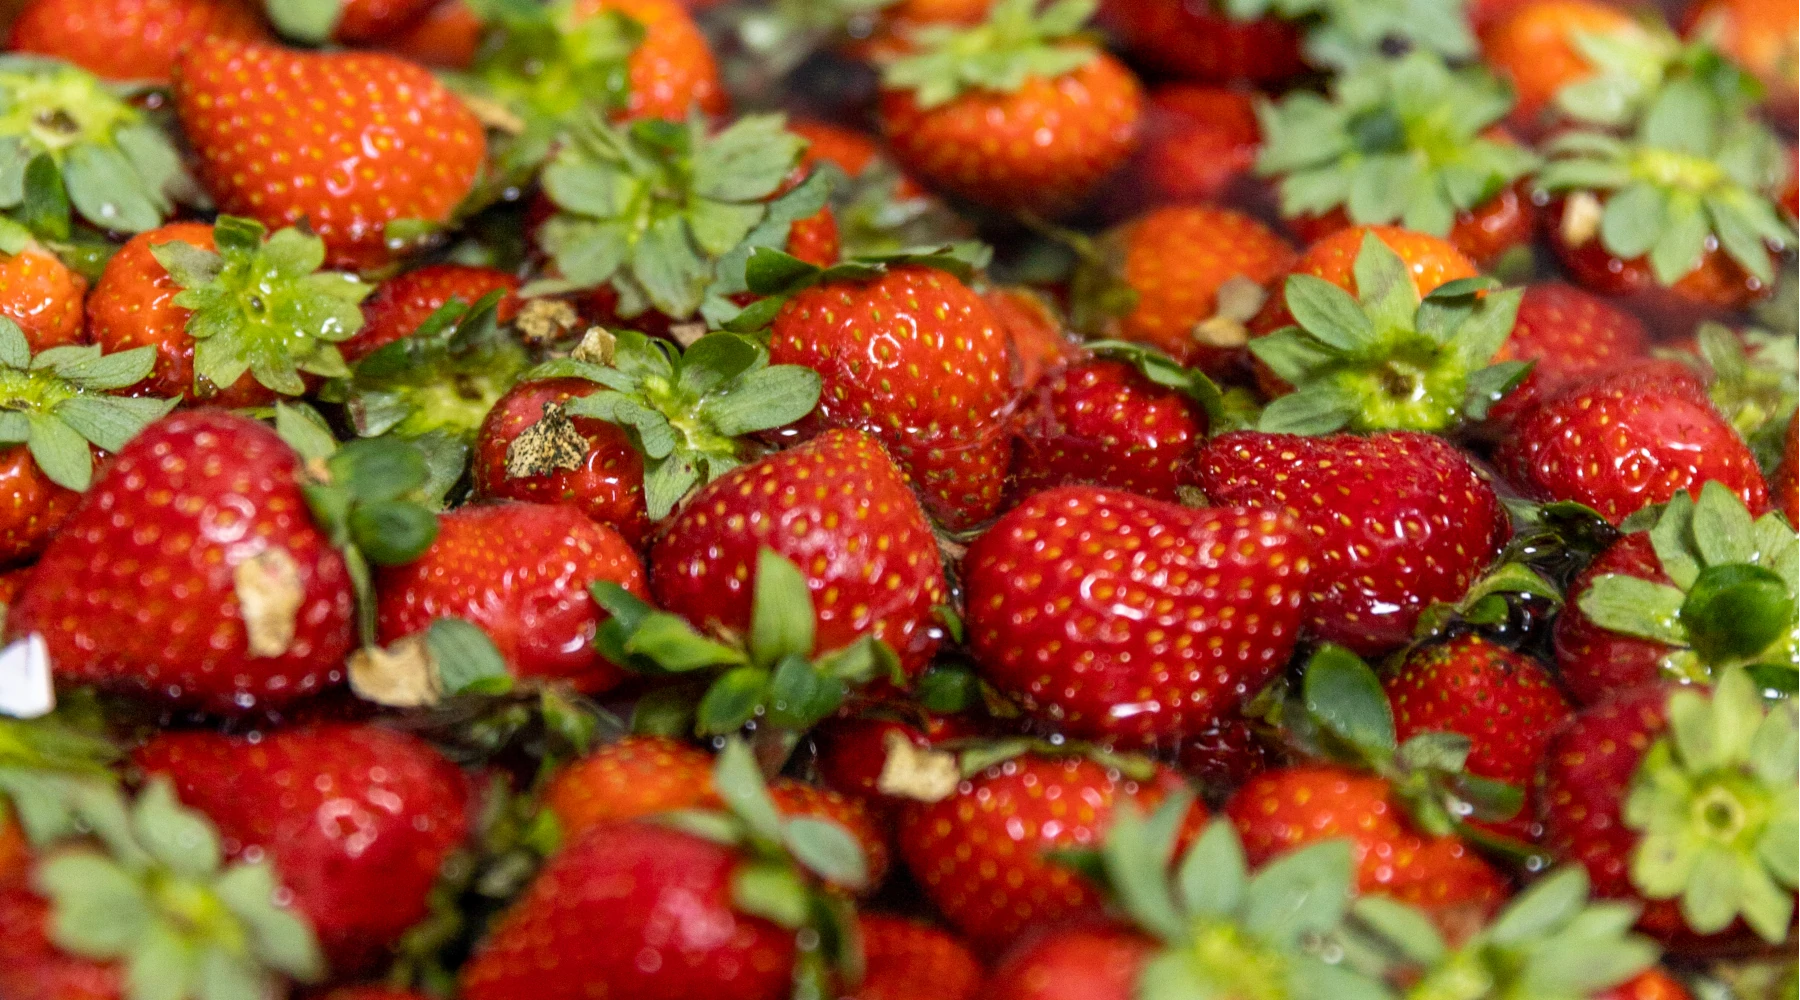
(899, 500)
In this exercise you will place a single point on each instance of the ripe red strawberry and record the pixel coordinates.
(1621, 440)
(41, 294)
(1534, 48)
(362, 21)
(979, 855)
(1505, 702)
(606, 482)
(908, 960)
(1101, 962)
(1198, 144)
(35, 507)
(1433, 262)
(672, 69)
(1652, 984)
(356, 819)
(1037, 135)
(1199, 41)
(1397, 521)
(839, 510)
(1567, 334)
(1596, 661)
(1715, 285)
(520, 571)
(1034, 331)
(1115, 616)
(446, 37)
(915, 358)
(1103, 422)
(31, 965)
(400, 304)
(1787, 474)
(1227, 753)
(129, 39)
(1667, 796)
(1159, 279)
(851, 151)
(348, 141)
(1307, 803)
(193, 573)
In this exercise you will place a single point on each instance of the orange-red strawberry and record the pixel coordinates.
(672, 70)
(1652, 984)
(400, 304)
(35, 506)
(1158, 280)
(447, 36)
(193, 573)
(1397, 521)
(979, 855)
(41, 294)
(909, 960)
(1200, 41)
(1101, 962)
(1716, 284)
(129, 39)
(838, 509)
(1566, 333)
(348, 141)
(356, 819)
(1621, 440)
(1014, 114)
(1115, 616)
(1535, 47)
(1762, 36)
(1434, 262)
(1103, 422)
(1504, 701)
(1034, 331)
(521, 572)
(914, 357)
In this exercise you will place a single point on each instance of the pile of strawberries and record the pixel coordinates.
(899, 500)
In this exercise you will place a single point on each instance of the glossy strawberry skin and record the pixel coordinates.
(1567, 334)
(34, 507)
(398, 305)
(1505, 702)
(608, 487)
(42, 295)
(1620, 443)
(446, 37)
(133, 305)
(1199, 41)
(1397, 521)
(908, 960)
(349, 141)
(1102, 422)
(838, 509)
(1115, 616)
(1593, 661)
(979, 854)
(136, 593)
(520, 571)
(916, 359)
(1288, 808)
(1098, 962)
(1042, 148)
(129, 39)
(1035, 335)
(1718, 285)
(356, 819)
(642, 910)
(1433, 262)
(673, 68)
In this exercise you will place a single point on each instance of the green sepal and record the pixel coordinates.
(1169, 373)
(1630, 67)
(1016, 43)
(1344, 34)
(307, 21)
(776, 276)
(1489, 601)
(1754, 381)
(444, 377)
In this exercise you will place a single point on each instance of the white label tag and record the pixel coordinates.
(26, 691)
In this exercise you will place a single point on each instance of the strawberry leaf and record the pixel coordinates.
(1343, 695)
(1017, 42)
(309, 21)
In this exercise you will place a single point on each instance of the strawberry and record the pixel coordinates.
(720, 912)
(351, 22)
(669, 424)
(1034, 330)
(1682, 800)
(908, 353)
(192, 573)
(1432, 262)
(853, 751)
(909, 960)
(1787, 474)
(1596, 661)
(401, 304)
(1397, 521)
(1073, 595)
(1504, 701)
(852, 152)
(1098, 962)
(1431, 134)
(1651, 984)
(272, 127)
(1385, 359)
(1199, 41)
(1540, 47)
(982, 855)
(355, 819)
(671, 70)
(43, 297)
(447, 36)
(235, 317)
(1015, 114)
(129, 39)
(1566, 334)
(1619, 441)
(1198, 144)
(79, 143)
(31, 964)
(62, 412)
(1760, 36)
(1102, 421)
(1182, 279)
(521, 572)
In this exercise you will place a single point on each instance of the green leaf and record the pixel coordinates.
(60, 452)
(310, 21)
(1723, 531)
(764, 399)
(466, 658)
(304, 430)
(1540, 910)
(1489, 385)
(15, 350)
(107, 191)
(1306, 891)
(1214, 873)
(1137, 874)
(732, 701)
(1344, 696)
(1636, 607)
(280, 938)
(740, 785)
(181, 839)
(1329, 313)
(1385, 285)
(1317, 409)
(106, 423)
(773, 272)
(46, 208)
(828, 851)
(98, 911)
(1633, 220)
(781, 615)
(772, 892)
(1681, 243)
(746, 161)
(1407, 929)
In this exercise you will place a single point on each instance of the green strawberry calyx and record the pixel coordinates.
(69, 140)
(1016, 43)
(876, 215)
(60, 402)
(1693, 171)
(789, 870)
(1731, 600)
(1629, 67)
(1223, 930)
(1160, 369)
(1345, 34)
(1549, 943)
(1718, 809)
(261, 305)
(153, 891)
(1385, 360)
(1754, 380)
(666, 214)
(685, 411)
(1401, 141)
(775, 276)
(308, 21)
(51, 767)
(771, 675)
